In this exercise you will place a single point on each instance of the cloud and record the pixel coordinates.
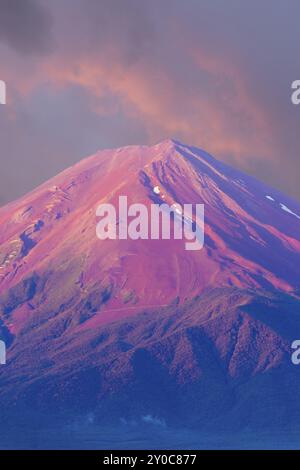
(149, 419)
(210, 74)
(165, 76)
(25, 25)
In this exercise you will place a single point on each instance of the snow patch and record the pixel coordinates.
(177, 208)
(283, 207)
(240, 182)
(286, 209)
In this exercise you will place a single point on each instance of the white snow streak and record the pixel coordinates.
(286, 209)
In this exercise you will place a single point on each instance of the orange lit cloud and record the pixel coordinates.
(158, 70)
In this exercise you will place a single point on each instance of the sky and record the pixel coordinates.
(84, 75)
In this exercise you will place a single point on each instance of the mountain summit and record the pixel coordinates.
(144, 326)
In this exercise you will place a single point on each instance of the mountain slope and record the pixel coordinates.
(249, 239)
(130, 327)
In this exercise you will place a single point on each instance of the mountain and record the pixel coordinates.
(128, 329)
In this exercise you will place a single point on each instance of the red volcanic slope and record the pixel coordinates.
(50, 256)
